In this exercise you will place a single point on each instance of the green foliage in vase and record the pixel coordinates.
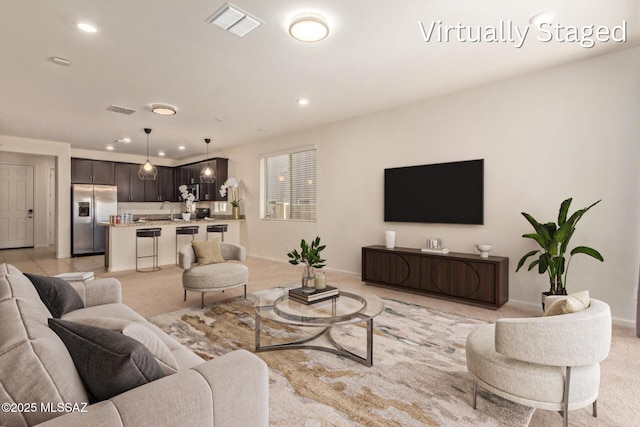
(309, 255)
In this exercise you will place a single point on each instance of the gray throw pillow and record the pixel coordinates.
(57, 294)
(108, 362)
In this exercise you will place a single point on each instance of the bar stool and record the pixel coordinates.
(154, 233)
(217, 228)
(187, 229)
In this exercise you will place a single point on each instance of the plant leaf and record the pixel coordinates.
(587, 251)
(524, 258)
(564, 208)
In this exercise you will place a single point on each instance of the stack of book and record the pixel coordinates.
(316, 296)
(77, 276)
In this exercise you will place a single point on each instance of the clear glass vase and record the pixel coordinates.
(308, 281)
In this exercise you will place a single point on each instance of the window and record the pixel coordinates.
(289, 185)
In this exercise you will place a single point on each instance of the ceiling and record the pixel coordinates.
(238, 90)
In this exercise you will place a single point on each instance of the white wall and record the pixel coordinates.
(565, 132)
(44, 152)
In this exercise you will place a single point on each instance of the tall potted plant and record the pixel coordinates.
(554, 241)
(310, 256)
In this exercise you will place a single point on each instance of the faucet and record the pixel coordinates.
(170, 208)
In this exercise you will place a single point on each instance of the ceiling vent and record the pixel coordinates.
(121, 110)
(234, 20)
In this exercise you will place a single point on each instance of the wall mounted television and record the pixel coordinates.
(444, 193)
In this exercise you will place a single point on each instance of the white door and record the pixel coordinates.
(16, 206)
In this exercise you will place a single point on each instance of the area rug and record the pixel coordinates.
(418, 378)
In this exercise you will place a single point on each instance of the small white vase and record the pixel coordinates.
(186, 216)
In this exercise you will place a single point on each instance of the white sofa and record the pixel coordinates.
(39, 382)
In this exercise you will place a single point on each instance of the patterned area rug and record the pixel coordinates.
(419, 376)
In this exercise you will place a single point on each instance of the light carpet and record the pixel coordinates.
(419, 376)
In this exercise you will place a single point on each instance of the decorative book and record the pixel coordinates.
(317, 295)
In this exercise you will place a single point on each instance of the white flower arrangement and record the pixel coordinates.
(231, 185)
(188, 198)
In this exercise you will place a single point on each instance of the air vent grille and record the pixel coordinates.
(121, 110)
(234, 20)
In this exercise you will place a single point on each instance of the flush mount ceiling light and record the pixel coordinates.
(147, 171)
(544, 17)
(163, 109)
(87, 27)
(207, 174)
(234, 20)
(303, 101)
(309, 27)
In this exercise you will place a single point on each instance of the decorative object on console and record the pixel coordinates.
(389, 239)
(207, 175)
(435, 245)
(554, 242)
(189, 205)
(484, 249)
(147, 171)
(310, 256)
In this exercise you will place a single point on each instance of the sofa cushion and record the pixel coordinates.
(208, 251)
(108, 362)
(57, 294)
(140, 333)
(569, 304)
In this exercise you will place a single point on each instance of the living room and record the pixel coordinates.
(547, 133)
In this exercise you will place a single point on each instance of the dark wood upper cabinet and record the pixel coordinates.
(130, 187)
(163, 187)
(190, 174)
(85, 171)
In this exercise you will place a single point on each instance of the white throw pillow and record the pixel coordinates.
(139, 333)
(569, 304)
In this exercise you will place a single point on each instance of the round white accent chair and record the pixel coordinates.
(213, 277)
(551, 363)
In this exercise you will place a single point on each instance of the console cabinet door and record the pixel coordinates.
(459, 278)
(390, 268)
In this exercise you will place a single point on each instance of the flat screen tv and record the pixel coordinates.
(446, 193)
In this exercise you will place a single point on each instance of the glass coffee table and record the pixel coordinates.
(350, 308)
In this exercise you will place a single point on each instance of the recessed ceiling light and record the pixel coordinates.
(163, 109)
(110, 147)
(181, 147)
(309, 27)
(544, 17)
(87, 27)
(303, 101)
(161, 153)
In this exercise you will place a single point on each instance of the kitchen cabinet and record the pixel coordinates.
(190, 174)
(459, 277)
(163, 187)
(130, 187)
(86, 171)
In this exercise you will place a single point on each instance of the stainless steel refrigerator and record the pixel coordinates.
(91, 204)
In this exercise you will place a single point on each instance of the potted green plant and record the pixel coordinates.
(554, 241)
(310, 256)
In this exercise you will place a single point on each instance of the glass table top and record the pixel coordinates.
(352, 306)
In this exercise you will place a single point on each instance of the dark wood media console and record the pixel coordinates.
(459, 277)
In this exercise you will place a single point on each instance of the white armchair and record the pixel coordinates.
(550, 363)
(213, 277)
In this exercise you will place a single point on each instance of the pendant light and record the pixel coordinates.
(147, 170)
(207, 175)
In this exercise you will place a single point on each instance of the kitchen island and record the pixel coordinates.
(120, 245)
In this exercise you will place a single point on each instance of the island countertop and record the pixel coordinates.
(121, 240)
(176, 221)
